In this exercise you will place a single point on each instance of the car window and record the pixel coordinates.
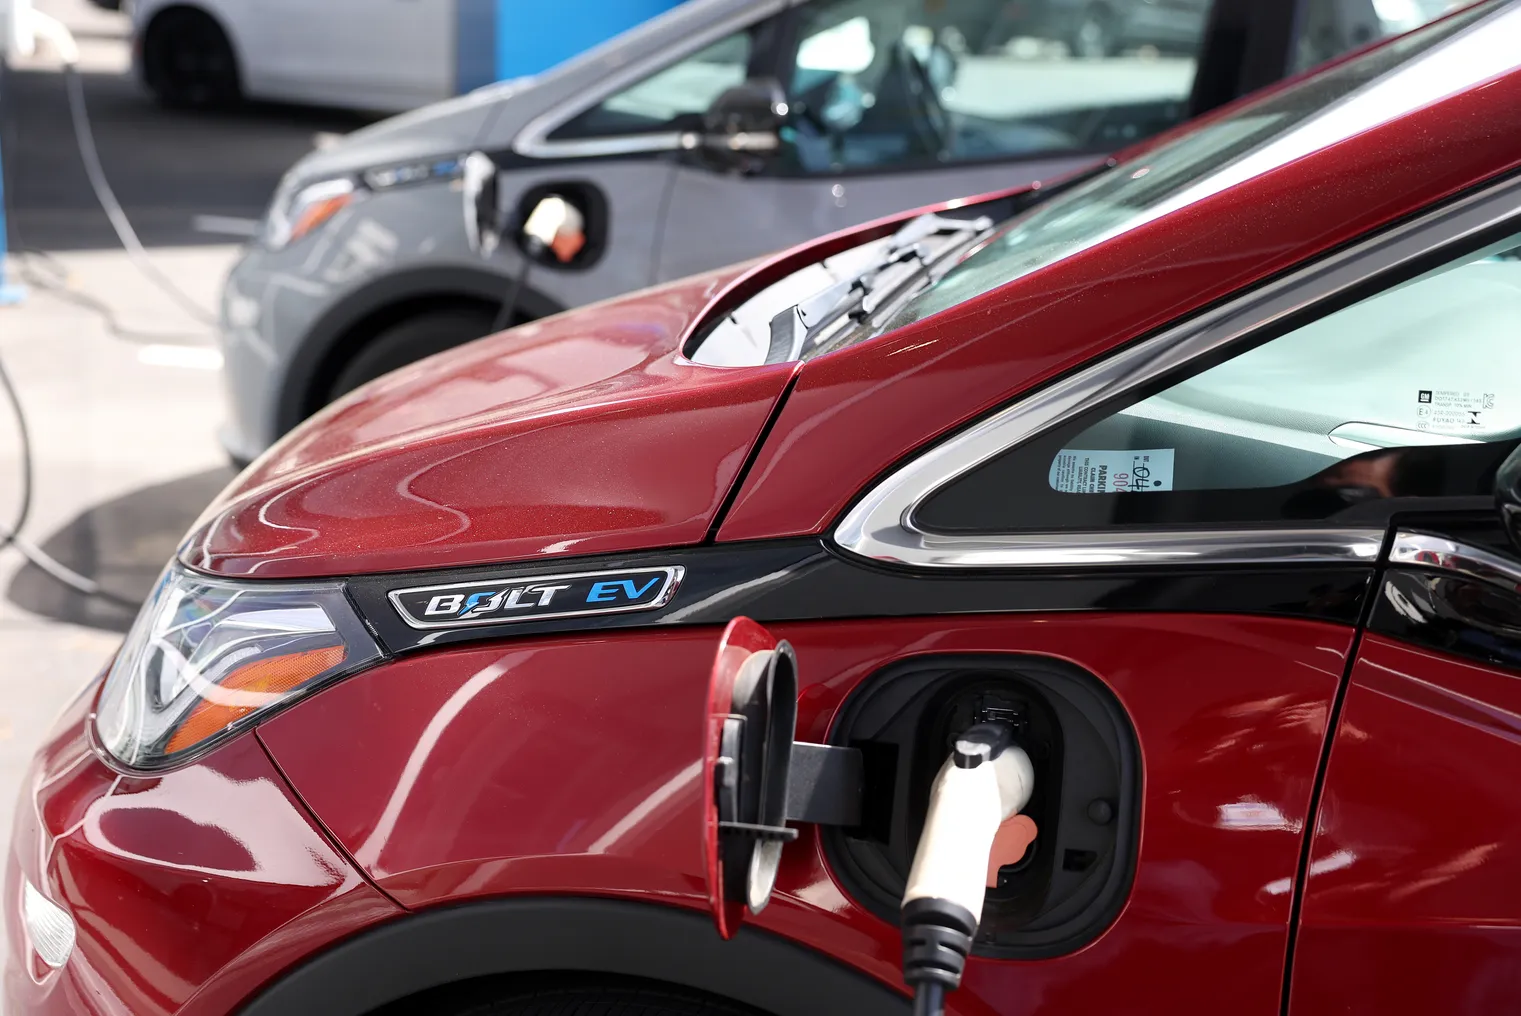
(670, 99)
(1355, 96)
(891, 83)
(1415, 391)
(1329, 28)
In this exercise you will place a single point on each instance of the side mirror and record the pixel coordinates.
(483, 215)
(1508, 496)
(745, 119)
(555, 229)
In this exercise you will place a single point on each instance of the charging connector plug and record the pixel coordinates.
(984, 783)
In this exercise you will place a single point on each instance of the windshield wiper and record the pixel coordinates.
(861, 295)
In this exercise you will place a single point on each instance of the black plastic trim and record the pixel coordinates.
(797, 580)
(824, 784)
(1452, 612)
(680, 947)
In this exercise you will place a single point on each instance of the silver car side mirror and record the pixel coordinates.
(483, 214)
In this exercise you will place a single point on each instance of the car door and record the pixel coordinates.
(1410, 899)
(907, 102)
(1410, 903)
(390, 55)
(618, 144)
(892, 106)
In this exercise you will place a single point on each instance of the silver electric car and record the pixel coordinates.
(717, 132)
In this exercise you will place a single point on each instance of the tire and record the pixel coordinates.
(409, 341)
(189, 62)
(612, 1000)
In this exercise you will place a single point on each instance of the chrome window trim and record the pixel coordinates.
(881, 525)
(1416, 549)
(533, 139)
(1145, 548)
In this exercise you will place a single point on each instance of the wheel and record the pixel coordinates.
(1095, 36)
(409, 341)
(611, 1000)
(188, 60)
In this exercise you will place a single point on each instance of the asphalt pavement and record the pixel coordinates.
(119, 385)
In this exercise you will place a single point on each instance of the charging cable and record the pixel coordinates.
(984, 783)
(56, 34)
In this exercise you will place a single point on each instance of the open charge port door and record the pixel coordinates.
(869, 787)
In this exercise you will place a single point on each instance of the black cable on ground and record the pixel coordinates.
(24, 439)
(12, 537)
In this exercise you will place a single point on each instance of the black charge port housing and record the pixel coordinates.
(1073, 881)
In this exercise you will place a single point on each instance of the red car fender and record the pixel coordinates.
(571, 766)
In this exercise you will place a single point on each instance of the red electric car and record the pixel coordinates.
(521, 680)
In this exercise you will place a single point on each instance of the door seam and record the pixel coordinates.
(322, 827)
(1317, 790)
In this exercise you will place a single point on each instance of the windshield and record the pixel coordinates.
(1352, 97)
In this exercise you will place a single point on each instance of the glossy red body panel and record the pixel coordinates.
(539, 767)
(190, 890)
(846, 420)
(1411, 900)
(579, 434)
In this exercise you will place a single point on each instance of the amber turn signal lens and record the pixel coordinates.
(318, 212)
(249, 688)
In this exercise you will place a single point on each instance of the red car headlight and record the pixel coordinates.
(206, 658)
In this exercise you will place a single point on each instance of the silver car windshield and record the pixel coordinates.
(1378, 86)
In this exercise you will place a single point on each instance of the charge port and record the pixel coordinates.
(1074, 878)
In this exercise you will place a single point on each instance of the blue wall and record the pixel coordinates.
(501, 39)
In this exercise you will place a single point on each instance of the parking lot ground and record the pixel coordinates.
(119, 385)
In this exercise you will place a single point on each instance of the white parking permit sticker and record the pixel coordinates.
(1086, 471)
(1453, 412)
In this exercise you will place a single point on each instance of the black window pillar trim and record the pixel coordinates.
(881, 525)
(1247, 45)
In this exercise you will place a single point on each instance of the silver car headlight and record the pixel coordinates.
(208, 658)
(299, 208)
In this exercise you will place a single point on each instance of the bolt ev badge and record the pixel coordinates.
(504, 600)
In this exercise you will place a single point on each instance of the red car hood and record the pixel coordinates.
(584, 433)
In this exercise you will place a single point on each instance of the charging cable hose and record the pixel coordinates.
(986, 781)
(58, 36)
